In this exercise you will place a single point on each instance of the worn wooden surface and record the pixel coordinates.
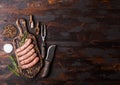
(87, 33)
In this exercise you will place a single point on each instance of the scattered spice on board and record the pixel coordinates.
(9, 31)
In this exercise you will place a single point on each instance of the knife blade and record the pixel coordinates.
(48, 60)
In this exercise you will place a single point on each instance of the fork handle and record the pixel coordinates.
(43, 49)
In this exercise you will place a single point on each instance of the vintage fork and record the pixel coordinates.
(43, 44)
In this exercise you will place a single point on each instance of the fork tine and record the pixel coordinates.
(44, 30)
(41, 30)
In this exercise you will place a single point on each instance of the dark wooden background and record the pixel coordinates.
(87, 33)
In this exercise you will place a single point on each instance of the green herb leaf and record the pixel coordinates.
(12, 70)
(13, 62)
(23, 38)
(14, 66)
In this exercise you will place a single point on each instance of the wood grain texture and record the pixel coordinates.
(87, 33)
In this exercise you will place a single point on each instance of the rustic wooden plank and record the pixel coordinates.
(87, 35)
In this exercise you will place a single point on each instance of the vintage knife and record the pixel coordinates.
(48, 60)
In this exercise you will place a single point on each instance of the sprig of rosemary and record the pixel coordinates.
(23, 38)
(13, 68)
(13, 62)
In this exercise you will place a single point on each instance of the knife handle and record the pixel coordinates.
(46, 69)
(43, 50)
